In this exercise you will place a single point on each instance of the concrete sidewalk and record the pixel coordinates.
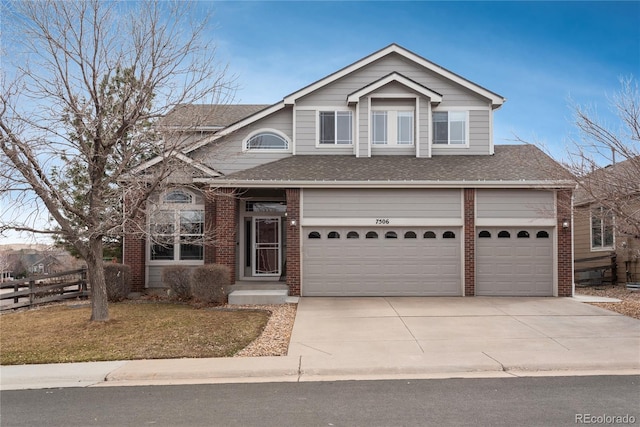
(381, 338)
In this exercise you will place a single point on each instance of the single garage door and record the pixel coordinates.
(341, 261)
(514, 261)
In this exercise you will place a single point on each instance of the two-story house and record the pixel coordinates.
(381, 179)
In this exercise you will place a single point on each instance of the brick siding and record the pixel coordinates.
(226, 220)
(293, 240)
(469, 242)
(565, 256)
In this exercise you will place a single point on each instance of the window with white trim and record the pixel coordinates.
(266, 140)
(450, 127)
(335, 128)
(176, 228)
(601, 229)
(392, 127)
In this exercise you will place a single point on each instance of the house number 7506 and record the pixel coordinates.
(382, 220)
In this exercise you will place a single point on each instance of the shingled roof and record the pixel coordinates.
(525, 164)
(209, 115)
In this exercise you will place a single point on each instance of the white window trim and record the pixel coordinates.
(318, 110)
(176, 208)
(466, 130)
(392, 125)
(601, 248)
(269, 150)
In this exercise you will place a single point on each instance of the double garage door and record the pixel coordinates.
(360, 261)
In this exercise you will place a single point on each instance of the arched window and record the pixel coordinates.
(523, 234)
(429, 235)
(448, 235)
(390, 235)
(266, 141)
(353, 235)
(484, 233)
(542, 234)
(410, 235)
(177, 196)
(314, 235)
(333, 235)
(371, 235)
(504, 234)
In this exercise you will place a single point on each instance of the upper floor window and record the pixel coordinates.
(392, 127)
(266, 140)
(601, 228)
(335, 127)
(450, 127)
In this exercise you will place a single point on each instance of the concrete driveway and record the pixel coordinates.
(514, 333)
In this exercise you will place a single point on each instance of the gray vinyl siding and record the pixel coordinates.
(479, 137)
(514, 204)
(423, 127)
(386, 203)
(382, 150)
(225, 155)
(154, 279)
(363, 126)
(336, 92)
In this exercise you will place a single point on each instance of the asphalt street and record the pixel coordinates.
(542, 401)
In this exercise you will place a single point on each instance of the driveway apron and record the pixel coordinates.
(517, 333)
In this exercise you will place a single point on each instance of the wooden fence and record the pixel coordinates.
(42, 289)
(597, 270)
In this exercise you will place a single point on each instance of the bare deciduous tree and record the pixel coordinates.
(616, 188)
(79, 108)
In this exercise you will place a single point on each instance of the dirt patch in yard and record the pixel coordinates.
(630, 300)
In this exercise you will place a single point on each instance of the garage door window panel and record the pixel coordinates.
(410, 235)
(353, 235)
(542, 235)
(504, 234)
(429, 235)
(333, 235)
(391, 235)
(523, 234)
(371, 235)
(484, 234)
(314, 235)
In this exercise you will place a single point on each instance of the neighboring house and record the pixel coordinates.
(380, 179)
(48, 264)
(600, 230)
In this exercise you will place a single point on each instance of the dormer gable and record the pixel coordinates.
(396, 77)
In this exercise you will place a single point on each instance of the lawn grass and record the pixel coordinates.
(63, 333)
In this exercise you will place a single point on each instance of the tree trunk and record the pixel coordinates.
(95, 273)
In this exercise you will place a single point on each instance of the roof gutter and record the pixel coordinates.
(542, 184)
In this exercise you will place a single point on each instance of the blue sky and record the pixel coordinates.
(541, 56)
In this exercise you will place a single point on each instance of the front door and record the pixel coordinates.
(266, 253)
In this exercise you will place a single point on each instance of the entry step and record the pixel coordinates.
(266, 296)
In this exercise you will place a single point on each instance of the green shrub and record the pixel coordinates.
(210, 283)
(118, 280)
(176, 278)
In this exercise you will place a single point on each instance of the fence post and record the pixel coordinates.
(32, 285)
(614, 268)
(16, 288)
(83, 275)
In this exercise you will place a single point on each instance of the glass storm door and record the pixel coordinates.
(266, 246)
